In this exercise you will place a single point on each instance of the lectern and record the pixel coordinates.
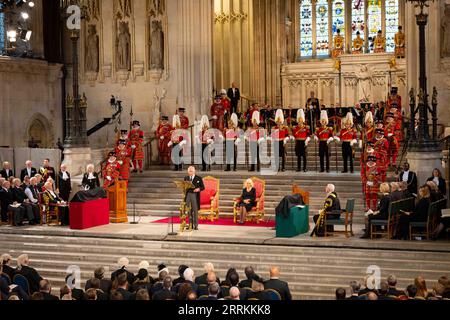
(117, 195)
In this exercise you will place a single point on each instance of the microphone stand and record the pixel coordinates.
(173, 233)
(134, 215)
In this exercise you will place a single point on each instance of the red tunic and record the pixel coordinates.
(371, 179)
(324, 133)
(301, 132)
(226, 104)
(279, 133)
(184, 122)
(136, 138)
(123, 158)
(254, 134)
(111, 170)
(369, 133)
(163, 133)
(231, 134)
(348, 135)
(218, 111)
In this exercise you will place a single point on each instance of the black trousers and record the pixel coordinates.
(18, 214)
(234, 106)
(347, 154)
(280, 153)
(231, 154)
(204, 147)
(300, 151)
(254, 156)
(179, 166)
(324, 156)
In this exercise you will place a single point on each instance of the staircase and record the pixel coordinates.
(312, 272)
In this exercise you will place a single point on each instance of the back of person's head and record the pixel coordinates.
(394, 186)
(188, 274)
(249, 272)
(99, 273)
(385, 188)
(183, 290)
(421, 285)
(115, 295)
(191, 296)
(411, 290)
(209, 267)
(392, 280)
(234, 293)
(142, 275)
(424, 192)
(163, 275)
(444, 281)
(95, 283)
(340, 294)
(5, 259)
(438, 289)
(274, 272)
(37, 296)
(22, 261)
(91, 294)
(142, 294)
(181, 269)
(44, 286)
(167, 282)
(355, 286)
(64, 291)
(122, 279)
(123, 262)
(213, 289)
(384, 288)
(234, 279)
(403, 185)
(13, 297)
(211, 277)
(433, 186)
(372, 296)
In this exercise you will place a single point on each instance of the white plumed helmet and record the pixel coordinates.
(324, 116)
(300, 115)
(205, 121)
(234, 119)
(369, 117)
(256, 117)
(279, 116)
(176, 122)
(349, 119)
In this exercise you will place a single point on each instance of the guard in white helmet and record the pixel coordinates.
(324, 134)
(280, 137)
(232, 139)
(205, 140)
(302, 138)
(348, 137)
(255, 136)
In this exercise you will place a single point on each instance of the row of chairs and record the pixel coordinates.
(18, 280)
(248, 293)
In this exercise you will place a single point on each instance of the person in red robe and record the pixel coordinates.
(136, 143)
(395, 98)
(392, 138)
(225, 101)
(111, 171)
(381, 146)
(301, 134)
(123, 153)
(218, 114)
(184, 120)
(163, 133)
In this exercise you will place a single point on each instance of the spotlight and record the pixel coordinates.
(12, 35)
(25, 15)
(31, 4)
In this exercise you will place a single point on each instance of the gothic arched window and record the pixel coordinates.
(374, 14)
(338, 17)
(322, 35)
(392, 22)
(358, 18)
(306, 28)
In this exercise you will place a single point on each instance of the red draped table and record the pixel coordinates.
(85, 215)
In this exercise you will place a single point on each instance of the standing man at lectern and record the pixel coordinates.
(193, 196)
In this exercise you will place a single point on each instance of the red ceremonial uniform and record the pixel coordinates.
(184, 122)
(123, 158)
(136, 141)
(279, 133)
(218, 112)
(381, 147)
(395, 100)
(368, 134)
(347, 135)
(226, 105)
(163, 133)
(393, 144)
(301, 132)
(111, 172)
(371, 185)
(324, 133)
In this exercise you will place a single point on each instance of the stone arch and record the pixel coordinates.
(39, 130)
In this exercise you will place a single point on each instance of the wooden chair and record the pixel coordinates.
(6, 278)
(20, 281)
(272, 294)
(347, 221)
(305, 194)
(258, 211)
(423, 229)
(209, 199)
(390, 224)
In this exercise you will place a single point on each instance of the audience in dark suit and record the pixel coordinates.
(275, 283)
(6, 172)
(46, 289)
(105, 284)
(28, 272)
(436, 177)
(29, 170)
(209, 267)
(166, 292)
(419, 214)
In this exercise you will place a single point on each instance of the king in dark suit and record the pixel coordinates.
(234, 95)
(193, 196)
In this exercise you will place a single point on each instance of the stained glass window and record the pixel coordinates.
(306, 40)
(322, 36)
(391, 24)
(2, 32)
(338, 17)
(358, 18)
(374, 14)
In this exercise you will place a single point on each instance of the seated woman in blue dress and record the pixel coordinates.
(248, 199)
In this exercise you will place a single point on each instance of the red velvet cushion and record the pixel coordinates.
(258, 187)
(205, 197)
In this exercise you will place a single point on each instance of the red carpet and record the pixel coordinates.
(222, 222)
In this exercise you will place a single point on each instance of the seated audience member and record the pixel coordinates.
(5, 262)
(13, 297)
(123, 265)
(8, 204)
(411, 291)
(209, 267)
(28, 272)
(145, 265)
(166, 293)
(367, 286)
(372, 296)
(183, 290)
(91, 294)
(65, 293)
(159, 285)
(383, 291)
(275, 283)
(37, 296)
(142, 281)
(21, 198)
(188, 276)
(392, 290)
(382, 212)
(403, 187)
(6, 290)
(40, 184)
(32, 193)
(49, 196)
(6, 172)
(77, 294)
(116, 295)
(235, 293)
(435, 194)
(396, 193)
(90, 178)
(105, 284)
(251, 275)
(248, 200)
(122, 286)
(180, 279)
(340, 294)
(203, 289)
(422, 291)
(46, 289)
(436, 177)
(355, 286)
(29, 170)
(191, 296)
(142, 294)
(95, 284)
(420, 213)
(213, 292)
(438, 292)
(25, 183)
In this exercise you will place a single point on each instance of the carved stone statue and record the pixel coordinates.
(124, 47)
(157, 8)
(92, 49)
(157, 46)
(364, 76)
(125, 8)
(445, 32)
(93, 9)
(157, 98)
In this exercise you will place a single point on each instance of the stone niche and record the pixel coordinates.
(359, 77)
